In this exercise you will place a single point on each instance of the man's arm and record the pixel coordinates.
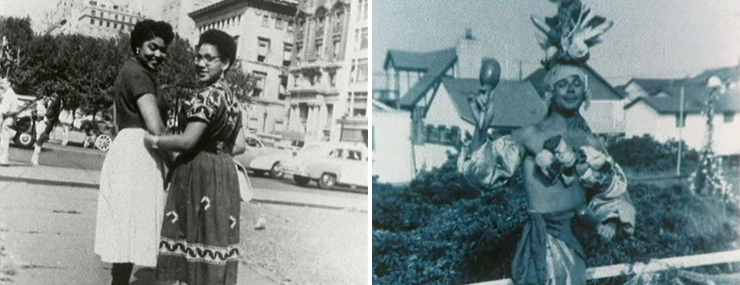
(492, 163)
(611, 205)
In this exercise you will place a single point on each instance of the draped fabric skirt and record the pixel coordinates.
(130, 202)
(200, 231)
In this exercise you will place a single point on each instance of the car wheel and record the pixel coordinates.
(103, 141)
(276, 171)
(24, 140)
(301, 180)
(327, 181)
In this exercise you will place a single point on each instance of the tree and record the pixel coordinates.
(16, 34)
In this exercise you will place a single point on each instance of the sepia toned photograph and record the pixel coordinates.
(184, 142)
(555, 142)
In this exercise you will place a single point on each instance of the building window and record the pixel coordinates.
(298, 50)
(680, 122)
(265, 20)
(359, 108)
(107, 24)
(432, 134)
(454, 137)
(364, 9)
(336, 48)
(362, 70)
(287, 53)
(279, 23)
(319, 45)
(92, 12)
(339, 22)
(115, 25)
(92, 21)
(263, 49)
(329, 113)
(100, 23)
(290, 26)
(320, 27)
(115, 17)
(729, 117)
(333, 79)
(283, 89)
(259, 84)
(359, 15)
(363, 39)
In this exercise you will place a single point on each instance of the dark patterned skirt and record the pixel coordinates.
(200, 230)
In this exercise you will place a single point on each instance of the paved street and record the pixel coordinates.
(47, 220)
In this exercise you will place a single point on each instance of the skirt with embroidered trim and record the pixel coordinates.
(200, 230)
(130, 202)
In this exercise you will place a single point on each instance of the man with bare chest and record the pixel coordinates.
(562, 162)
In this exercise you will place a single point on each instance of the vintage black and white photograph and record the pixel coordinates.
(555, 142)
(184, 142)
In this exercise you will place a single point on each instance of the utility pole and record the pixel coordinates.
(680, 129)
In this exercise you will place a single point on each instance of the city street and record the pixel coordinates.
(290, 234)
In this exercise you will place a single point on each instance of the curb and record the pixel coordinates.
(97, 186)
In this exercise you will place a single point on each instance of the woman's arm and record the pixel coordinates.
(240, 145)
(150, 112)
(181, 142)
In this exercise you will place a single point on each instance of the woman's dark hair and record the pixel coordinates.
(147, 30)
(225, 44)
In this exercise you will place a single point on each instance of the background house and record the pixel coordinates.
(391, 146)
(659, 118)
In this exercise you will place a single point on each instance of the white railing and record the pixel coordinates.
(650, 267)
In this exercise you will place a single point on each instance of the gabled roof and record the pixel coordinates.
(418, 61)
(381, 107)
(608, 92)
(516, 103)
(727, 74)
(695, 97)
(432, 76)
(654, 85)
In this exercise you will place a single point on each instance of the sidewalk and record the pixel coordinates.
(48, 175)
(47, 220)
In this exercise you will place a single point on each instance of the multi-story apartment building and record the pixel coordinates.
(175, 12)
(263, 30)
(328, 95)
(95, 18)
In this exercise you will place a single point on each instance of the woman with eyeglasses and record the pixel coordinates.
(131, 197)
(200, 230)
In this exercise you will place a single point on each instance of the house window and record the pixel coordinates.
(455, 135)
(444, 135)
(259, 84)
(363, 39)
(362, 70)
(263, 49)
(287, 53)
(680, 122)
(279, 23)
(729, 117)
(432, 134)
(265, 21)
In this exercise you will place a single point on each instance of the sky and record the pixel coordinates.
(655, 38)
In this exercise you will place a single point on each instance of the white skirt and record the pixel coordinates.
(130, 202)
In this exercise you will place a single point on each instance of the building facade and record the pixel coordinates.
(175, 12)
(264, 33)
(94, 18)
(329, 72)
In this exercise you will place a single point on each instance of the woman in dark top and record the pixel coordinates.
(131, 197)
(200, 231)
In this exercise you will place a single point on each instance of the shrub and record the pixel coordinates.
(645, 153)
(440, 230)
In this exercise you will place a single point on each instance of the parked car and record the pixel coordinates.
(25, 122)
(329, 164)
(261, 158)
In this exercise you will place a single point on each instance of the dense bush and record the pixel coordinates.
(645, 153)
(440, 230)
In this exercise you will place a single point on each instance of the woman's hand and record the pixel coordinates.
(149, 140)
(607, 230)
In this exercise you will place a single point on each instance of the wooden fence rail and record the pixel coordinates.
(652, 266)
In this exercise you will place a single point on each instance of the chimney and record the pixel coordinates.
(468, 56)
